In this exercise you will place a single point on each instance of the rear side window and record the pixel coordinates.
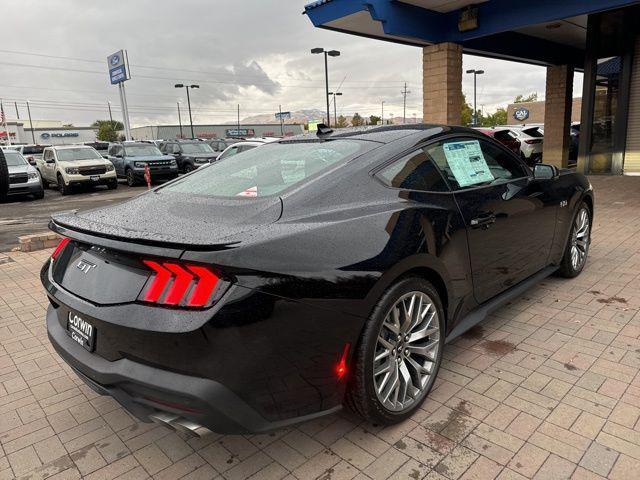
(471, 162)
(267, 170)
(414, 171)
(504, 135)
(533, 132)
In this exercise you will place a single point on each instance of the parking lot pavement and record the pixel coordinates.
(23, 216)
(547, 388)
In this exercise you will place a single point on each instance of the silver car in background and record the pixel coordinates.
(24, 179)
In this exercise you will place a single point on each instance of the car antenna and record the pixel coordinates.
(323, 130)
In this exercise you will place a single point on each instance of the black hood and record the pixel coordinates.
(177, 219)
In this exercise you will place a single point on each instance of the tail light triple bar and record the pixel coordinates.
(179, 284)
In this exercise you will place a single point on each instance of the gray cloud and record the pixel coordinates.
(251, 52)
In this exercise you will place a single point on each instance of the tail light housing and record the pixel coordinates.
(60, 248)
(178, 284)
(533, 141)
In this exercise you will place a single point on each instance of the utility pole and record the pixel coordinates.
(281, 127)
(238, 119)
(110, 115)
(404, 103)
(33, 136)
(382, 117)
(17, 112)
(180, 121)
(187, 87)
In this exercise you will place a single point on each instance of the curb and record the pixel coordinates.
(38, 241)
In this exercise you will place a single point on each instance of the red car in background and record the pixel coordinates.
(504, 136)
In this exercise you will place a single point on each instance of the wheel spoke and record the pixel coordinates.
(384, 368)
(420, 334)
(424, 350)
(383, 354)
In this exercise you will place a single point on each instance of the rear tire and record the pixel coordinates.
(386, 356)
(64, 189)
(577, 248)
(131, 178)
(188, 168)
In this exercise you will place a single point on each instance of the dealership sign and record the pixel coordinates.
(283, 115)
(117, 67)
(521, 114)
(240, 132)
(46, 135)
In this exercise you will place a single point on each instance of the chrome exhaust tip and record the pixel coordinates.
(179, 424)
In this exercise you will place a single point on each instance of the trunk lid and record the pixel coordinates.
(176, 220)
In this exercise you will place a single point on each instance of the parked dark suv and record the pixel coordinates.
(130, 158)
(190, 154)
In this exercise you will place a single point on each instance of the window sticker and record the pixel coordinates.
(467, 162)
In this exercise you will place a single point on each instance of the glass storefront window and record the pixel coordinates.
(604, 114)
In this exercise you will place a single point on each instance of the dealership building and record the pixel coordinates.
(166, 132)
(46, 133)
(598, 37)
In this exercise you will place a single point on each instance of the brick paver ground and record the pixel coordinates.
(547, 388)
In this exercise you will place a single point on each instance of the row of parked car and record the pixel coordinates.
(524, 140)
(32, 168)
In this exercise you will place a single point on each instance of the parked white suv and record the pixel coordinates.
(70, 165)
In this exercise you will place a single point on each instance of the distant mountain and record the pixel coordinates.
(306, 116)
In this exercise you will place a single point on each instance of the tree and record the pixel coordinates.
(342, 122)
(107, 130)
(4, 177)
(467, 112)
(374, 120)
(532, 97)
(499, 117)
(357, 120)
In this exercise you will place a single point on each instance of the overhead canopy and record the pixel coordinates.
(543, 32)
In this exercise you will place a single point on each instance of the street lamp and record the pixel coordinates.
(475, 110)
(382, 115)
(331, 53)
(187, 87)
(335, 118)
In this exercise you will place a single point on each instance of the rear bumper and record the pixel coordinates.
(144, 390)
(156, 174)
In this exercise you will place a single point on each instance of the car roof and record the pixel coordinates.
(64, 147)
(384, 133)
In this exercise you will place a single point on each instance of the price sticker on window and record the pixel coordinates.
(467, 162)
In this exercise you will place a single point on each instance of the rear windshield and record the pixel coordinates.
(533, 132)
(196, 148)
(80, 153)
(266, 170)
(14, 159)
(141, 150)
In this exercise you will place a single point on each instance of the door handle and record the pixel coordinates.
(484, 220)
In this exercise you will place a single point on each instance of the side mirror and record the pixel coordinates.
(118, 155)
(31, 160)
(50, 160)
(542, 171)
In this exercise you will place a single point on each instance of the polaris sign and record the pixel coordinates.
(46, 135)
(521, 114)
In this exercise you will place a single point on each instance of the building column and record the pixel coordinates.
(557, 115)
(442, 84)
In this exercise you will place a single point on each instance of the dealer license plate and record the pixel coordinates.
(81, 331)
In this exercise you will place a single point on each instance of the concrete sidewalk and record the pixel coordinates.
(548, 388)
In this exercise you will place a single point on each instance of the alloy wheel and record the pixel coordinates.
(580, 239)
(406, 351)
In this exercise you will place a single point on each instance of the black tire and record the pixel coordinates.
(188, 168)
(62, 188)
(113, 184)
(131, 178)
(361, 397)
(567, 268)
(39, 195)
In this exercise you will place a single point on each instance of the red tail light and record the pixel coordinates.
(59, 248)
(179, 284)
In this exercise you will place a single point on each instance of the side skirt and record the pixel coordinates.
(479, 314)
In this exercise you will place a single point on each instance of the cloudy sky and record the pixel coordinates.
(249, 52)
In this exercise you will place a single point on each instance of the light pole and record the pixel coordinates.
(335, 118)
(382, 117)
(33, 136)
(110, 115)
(180, 120)
(187, 87)
(475, 110)
(330, 53)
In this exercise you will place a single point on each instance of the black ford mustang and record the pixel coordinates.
(281, 283)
